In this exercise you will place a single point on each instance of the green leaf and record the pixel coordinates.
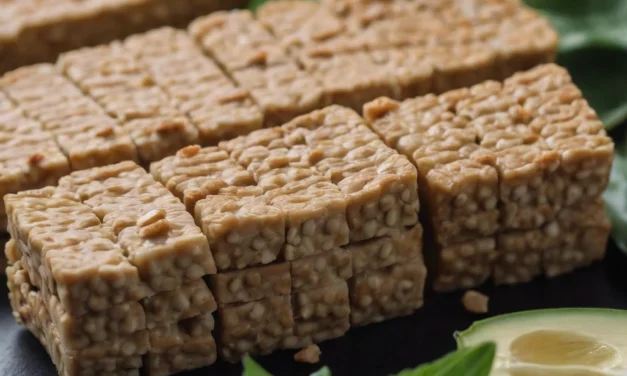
(593, 46)
(601, 74)
(324, 371)
(472, 361)
(586, 23)
(251, 368)
(254, 4)
(616, 196)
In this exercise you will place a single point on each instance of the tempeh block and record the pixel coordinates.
(393, 291)
(352, 80)
(461, 265)
(528, 185)
(315, 214)
(462, 201)
(237, 41)
(181, 346)
(386, 251)
(584, 168)
(282, 91)
(189, 300)
(256, 327)
(319, 270)
(520, 254)
(242, 231)
(195, 173)
(250, 284)
(327, 303)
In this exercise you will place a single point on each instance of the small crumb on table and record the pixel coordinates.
(309, 354)
(475, 302)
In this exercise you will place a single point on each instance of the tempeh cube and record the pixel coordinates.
(195, 173)
(319, 270)
(189, 300)
(242, 231)
(282, 91)
(413, 70)
(352, 80)
(315, 215)
(461, 265)
(382, 294)
(461, 198)
(29, 161)
(462, 66)
(583, 235)
(386, 251)
(255, 327)
(578, 247)
(524, 41)
(181, 346)
(528, 185)
(250, 284)
(584, 168)
(326, 303)
(382, 199)
(237, 40)
(520, 254)
(270, 138)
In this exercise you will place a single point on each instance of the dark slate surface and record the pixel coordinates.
(383, 348)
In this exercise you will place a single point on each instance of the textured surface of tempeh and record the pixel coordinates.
(507, 172)
(38, 31)
(146, 96)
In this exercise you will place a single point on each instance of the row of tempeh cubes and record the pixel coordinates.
(35, 31)
(303, 230)
(147, 96)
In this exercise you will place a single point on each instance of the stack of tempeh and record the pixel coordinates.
(35, 31)
(308, 215)
(313, 225)
(147, 96)
(107, 271)
(511, 176)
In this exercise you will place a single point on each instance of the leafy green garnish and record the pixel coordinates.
(252, 368)
(472, 361)
(593, 46)
(616, 196)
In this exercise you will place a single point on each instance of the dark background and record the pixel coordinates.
(379, 349)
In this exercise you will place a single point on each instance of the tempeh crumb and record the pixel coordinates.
(309, 354)
(475, 302)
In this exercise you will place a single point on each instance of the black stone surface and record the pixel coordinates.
(380, 349)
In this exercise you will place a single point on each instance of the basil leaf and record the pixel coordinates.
(472, 361)
(252, 368)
